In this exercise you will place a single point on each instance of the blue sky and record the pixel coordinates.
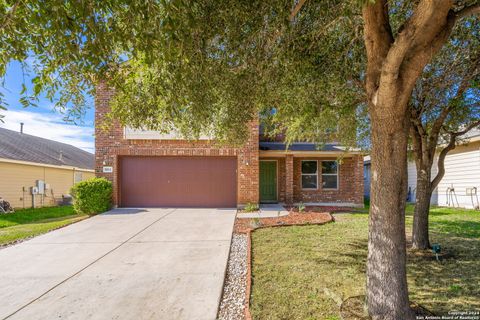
(43, 121)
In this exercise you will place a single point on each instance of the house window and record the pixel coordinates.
(309, 174)
(78, 176)
(329, 174)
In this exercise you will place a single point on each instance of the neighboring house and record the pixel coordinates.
(460, 185)
(151, 169)
(38, 172)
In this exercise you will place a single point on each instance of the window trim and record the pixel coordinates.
(75, 175)
(308, 174)
(331, 174)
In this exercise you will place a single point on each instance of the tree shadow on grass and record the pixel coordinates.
(465, 228)
(353, 254)
(451, 283)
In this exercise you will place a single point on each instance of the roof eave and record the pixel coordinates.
(319, 153)
(40, 164)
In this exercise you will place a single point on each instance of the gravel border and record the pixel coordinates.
(232, 305)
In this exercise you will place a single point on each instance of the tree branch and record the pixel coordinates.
(450, 146)
(9, 15)
(297, 9)
(378, 40)
(441, 162)
(467, 11)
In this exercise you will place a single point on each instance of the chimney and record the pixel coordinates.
(60, 157)
(21, 127)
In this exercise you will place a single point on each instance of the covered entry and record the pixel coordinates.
(178, 181)
(268, 181)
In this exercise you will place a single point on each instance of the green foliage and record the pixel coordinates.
(450, 82)
(255, 223)
(26, 223)
(31, 215)
(92, 196)
(251, 207)
(205, 67)
(202, 67)
(301, 207)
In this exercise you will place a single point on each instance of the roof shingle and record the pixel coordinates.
(24, 147)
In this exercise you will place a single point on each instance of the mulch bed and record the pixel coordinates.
(311, 215)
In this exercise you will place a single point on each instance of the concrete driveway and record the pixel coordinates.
(125, 264)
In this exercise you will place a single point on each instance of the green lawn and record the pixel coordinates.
(26, 223)
(305, 272)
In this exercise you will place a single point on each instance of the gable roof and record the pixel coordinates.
(24, 147)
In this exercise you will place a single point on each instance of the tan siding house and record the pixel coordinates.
(460, 186)
(18, 177)
(28, 162)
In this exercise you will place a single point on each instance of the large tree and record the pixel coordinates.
(445, 106)
(396, 60)
(212, 65)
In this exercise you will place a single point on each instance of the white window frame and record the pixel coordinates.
(77, 174)
(308, 174)
(330, 174)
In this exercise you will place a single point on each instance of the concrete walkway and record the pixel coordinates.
(266, 211)
(125, 264)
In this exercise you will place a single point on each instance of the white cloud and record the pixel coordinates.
(49, 126)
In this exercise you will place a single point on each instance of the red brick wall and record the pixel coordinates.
(110, 145)
(350, 183)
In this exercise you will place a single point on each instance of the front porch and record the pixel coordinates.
(311, 177)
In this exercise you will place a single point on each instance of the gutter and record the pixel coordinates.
(279, 153)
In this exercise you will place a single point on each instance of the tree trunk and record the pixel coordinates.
(387, 292)
(420, 238)
(393, 66)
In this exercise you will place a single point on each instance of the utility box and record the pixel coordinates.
(34, 190)
(41, 186)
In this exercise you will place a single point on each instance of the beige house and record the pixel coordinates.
(39, 172)
(459, 187)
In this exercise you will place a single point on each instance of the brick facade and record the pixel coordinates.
(350, 183)
(110, 145)
(350, 189)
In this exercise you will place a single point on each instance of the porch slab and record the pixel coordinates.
(266, 211)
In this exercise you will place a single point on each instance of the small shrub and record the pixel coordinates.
(92, 196)
(251, 207)
(301, 207)
(255, 223)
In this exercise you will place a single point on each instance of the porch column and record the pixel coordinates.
(289, 179)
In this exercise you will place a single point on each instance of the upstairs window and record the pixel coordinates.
(329, 175)
(309, 174)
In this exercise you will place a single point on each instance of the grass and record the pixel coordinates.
(305, 272)
(26, 223)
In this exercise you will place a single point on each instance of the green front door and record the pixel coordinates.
(268, 181)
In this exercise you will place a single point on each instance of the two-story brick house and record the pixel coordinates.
(149, 169)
